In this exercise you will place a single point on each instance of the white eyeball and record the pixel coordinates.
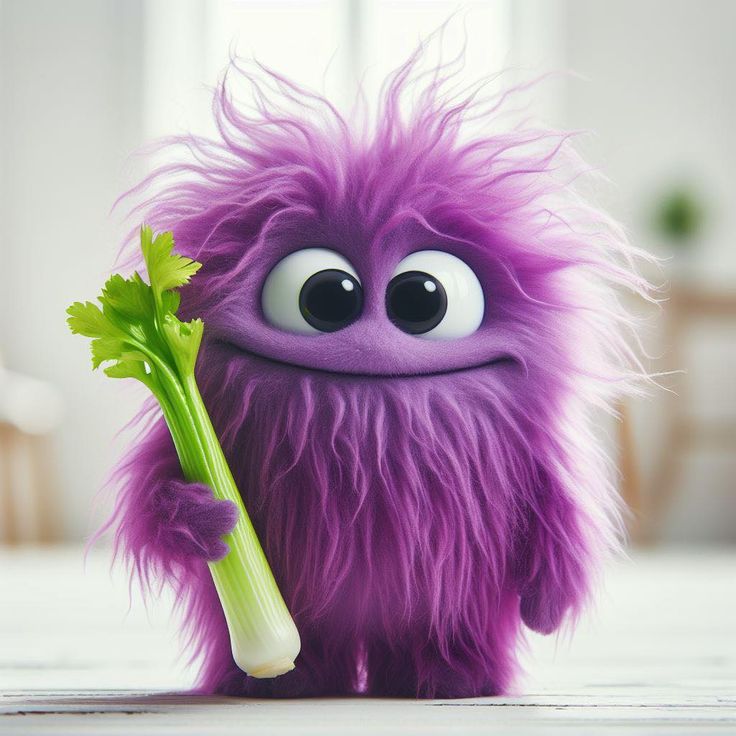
(311, 291)
(436, 296)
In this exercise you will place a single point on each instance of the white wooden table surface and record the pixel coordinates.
(658, 655)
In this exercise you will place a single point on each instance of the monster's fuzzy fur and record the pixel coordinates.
(413, 522)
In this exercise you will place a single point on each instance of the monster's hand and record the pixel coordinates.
(183, 521)
(552, 563)
(558, 588)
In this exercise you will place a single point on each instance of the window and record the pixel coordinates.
(324, 44)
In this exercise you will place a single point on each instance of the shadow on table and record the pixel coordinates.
(124, 703)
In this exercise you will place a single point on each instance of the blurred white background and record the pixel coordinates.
(84, 83)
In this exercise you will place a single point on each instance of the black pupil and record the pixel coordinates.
(330, 300)
(416, 302)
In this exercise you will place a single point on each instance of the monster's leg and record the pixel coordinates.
(324, 667)
(460, 664)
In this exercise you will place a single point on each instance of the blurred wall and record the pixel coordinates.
(658, 90)
(70, 113)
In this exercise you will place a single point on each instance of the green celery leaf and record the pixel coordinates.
(130, 369)
(86, 318)
(166, 270)
(105, 349)
(170, 301)
(184, 339)
(125, 326)
(132, 298)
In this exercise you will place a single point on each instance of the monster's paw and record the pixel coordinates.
(185, 521)
(553, 564)
(549, 599)
(541, 614)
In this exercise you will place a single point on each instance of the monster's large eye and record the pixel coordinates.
(313, 290)
(436, 296)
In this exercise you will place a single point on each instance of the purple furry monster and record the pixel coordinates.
(419, 499)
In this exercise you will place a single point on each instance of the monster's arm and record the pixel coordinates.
(163, 521)
(553, 557)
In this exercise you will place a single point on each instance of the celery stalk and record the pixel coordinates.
(137, 334)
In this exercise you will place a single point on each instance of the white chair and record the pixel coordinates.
(29, 411)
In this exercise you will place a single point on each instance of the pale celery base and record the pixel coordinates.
(273, 669)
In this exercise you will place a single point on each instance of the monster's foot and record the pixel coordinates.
(423, 671)
(321, 670)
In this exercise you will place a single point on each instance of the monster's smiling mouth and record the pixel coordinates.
(500, 360)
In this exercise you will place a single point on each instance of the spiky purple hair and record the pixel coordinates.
(417, 499)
